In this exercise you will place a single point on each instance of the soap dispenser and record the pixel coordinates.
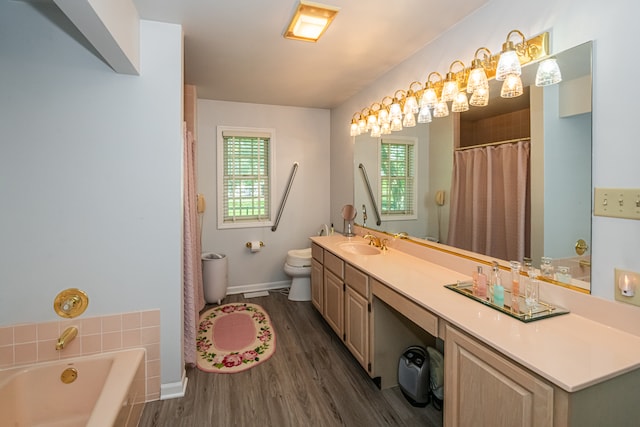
(496, 285)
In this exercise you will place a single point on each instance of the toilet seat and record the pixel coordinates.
(299, 257)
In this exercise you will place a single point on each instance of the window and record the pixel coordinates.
(397, 178)
(245, 177)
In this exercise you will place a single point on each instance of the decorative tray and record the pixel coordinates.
(526, 313)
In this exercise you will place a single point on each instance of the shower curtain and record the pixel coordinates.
(490, 200)
(193, 293)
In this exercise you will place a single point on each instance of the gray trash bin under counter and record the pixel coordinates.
(214, 276)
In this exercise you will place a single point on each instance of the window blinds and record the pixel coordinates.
(246, 176)
(397, 178)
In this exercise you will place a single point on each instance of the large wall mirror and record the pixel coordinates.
(556, 120)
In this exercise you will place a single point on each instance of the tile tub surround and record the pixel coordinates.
(30, 343)
(572, 351)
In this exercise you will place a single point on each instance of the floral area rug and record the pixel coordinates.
(234, 337)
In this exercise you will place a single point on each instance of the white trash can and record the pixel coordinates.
(215, 277)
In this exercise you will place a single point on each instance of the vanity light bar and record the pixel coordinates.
(528, 51)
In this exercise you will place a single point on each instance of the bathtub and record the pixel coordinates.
(108, 390)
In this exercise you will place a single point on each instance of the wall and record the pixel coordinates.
(302, 135)
(90, 175)
(615, 152)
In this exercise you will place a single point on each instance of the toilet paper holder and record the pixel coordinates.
(248, 244)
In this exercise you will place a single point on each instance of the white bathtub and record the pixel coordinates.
(109, 391)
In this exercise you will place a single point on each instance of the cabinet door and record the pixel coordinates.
(356, 325)
(334, 302)
(483, 388)
(317, 286)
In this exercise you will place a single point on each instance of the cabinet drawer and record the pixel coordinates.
(317, 252)
(334, 264)
(357, 280)
(412, 311)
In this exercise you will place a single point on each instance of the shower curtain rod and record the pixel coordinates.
(488, 144)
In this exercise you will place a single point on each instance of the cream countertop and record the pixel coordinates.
(570, 350)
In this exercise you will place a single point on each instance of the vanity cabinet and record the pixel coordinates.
(334, 302)
(340, 292)
(356, 314)
(482, 387)
(317, 277)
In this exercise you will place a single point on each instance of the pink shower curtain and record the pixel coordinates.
(193, 292)
(490, 198)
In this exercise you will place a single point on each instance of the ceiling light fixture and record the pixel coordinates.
(310, 21)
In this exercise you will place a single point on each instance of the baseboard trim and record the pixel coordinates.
(233, 290)
(174, 390)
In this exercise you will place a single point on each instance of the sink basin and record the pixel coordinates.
(359, 248)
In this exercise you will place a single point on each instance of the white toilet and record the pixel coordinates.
(298, 266)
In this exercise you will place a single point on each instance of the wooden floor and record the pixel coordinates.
(311, 380)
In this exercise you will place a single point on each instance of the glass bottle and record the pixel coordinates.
(531, 284)
(481, 287)
(515, 286)
(496, 286)
(546, 268)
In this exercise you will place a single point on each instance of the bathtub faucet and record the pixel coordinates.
(67, 336)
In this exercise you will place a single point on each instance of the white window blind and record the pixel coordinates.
(245, 177)
(397, 178)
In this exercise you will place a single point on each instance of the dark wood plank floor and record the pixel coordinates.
(311, 380)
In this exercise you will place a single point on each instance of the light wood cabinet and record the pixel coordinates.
(317, 285)
(334, 302)
(340, 293)
(483, 388)
(356, 322)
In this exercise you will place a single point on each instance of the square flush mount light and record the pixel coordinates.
(310, 21)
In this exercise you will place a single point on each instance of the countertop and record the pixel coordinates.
(571, 351)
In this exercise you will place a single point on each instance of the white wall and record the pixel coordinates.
(302, 135)
(90, 174)
(615, 151)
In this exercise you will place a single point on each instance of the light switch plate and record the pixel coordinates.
(635, 279)
(617, 202)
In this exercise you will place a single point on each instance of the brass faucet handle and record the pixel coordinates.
(383, 244)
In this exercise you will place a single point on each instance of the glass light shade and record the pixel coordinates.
(371, 120)
(424, 116)
(441, 109)
(509, 64)
(409, 120)
(362, 125)
(355, 131)
(477, 79)
(385, 128)
(396, 124)
(395, 112)
(383, 116)
(460, 103)
(411, 105)
(450, 88)
(429, 98)
(548, 73)
(512, 86)
(479, 98)
(376, 131)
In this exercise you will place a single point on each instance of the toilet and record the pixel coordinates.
(298, 267)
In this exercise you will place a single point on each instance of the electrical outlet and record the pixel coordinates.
(617, 202)
(627, 282)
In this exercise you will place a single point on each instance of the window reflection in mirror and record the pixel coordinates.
(560, 162)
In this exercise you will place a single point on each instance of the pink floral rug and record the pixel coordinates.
(234, 337)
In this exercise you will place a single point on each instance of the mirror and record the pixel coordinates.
(559, 129)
